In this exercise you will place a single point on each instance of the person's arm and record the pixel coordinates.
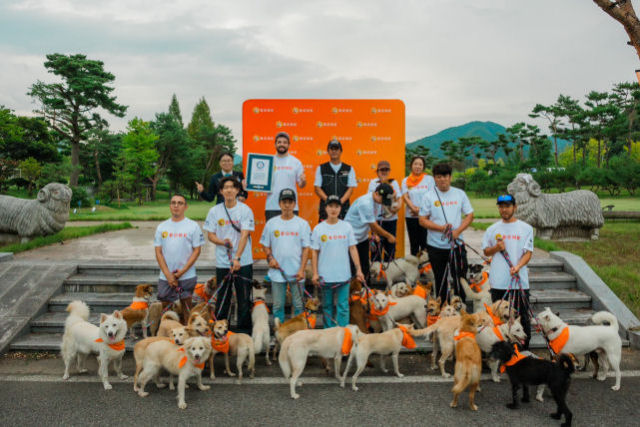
(192, 260)
(173, 282)
(466, 221)
(523, 261)
(492, 250)
(243, 194)
(347, 195)
(301, 179)
(314, 267)
(270, 259)
(398, 199)
(415, 210)
(382, 232)
(425, 222)
(353, 251)
(320, 193)
(303, 263)
(244, 238)
(213, 238)
(210, 195)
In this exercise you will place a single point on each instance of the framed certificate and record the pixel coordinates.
(259, 172)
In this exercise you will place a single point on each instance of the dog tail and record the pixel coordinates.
(460, 385)
(604, 316)
(412, 259)
(425, 332)
(566, 363)
(77, 309)
(283, 359)
(170, 315)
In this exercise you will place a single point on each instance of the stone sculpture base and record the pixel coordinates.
(568, 234)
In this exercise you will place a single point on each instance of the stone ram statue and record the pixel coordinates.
(575, 215)
(42, 216)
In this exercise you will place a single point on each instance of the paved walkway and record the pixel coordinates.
(137, 244)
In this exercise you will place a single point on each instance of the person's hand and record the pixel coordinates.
(391, 239)
(375, 238)
(227, 244)
(178, 274)
(360, 276)
(316, 279)
(445, 228)
(514, 270)
(455, 234)
(199, 187)
(300, 275)
(303, 180)
(415, 211)
(171, 279)
(273, 263)
(500, 245)
(235, 266)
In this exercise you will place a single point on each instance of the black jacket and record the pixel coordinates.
(214, 195)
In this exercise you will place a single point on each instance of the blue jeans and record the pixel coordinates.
(341, 293)
(279, 293)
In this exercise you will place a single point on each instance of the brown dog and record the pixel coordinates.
(304, 320)
(234, 344)
(468, 361)
(138, 311)
(357, 306)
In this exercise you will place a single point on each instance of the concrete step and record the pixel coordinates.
(535, 265)
(559, 299)
(150, 268)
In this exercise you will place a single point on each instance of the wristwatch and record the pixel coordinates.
(237, 258)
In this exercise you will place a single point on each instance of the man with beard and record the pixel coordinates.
(288, 171)
(513, 238)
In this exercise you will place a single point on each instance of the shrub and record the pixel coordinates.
(80, 195)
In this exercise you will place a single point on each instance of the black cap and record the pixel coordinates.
(283, 135)
(333, 144)
(386, 191)
(287, 194)
(333, 199)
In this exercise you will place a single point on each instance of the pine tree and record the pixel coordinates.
(201, 121)
(174, 109)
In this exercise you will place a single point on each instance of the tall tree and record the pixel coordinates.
(622, 11)
(71, 106)
(24, 137)
(201, 120)
(600, 114)
(626, 96)
(139, 155)
(174, 110)
(553, 115)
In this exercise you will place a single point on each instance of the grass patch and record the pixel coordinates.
(67, 233)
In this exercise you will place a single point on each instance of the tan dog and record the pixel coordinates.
(411, 306)
(468, 361)
(260, 333)
(138, 354)
(169, 321)
(204, 291)
(186, 362)
(236, 344)
(304, 320)
(138, 311)
(400, 289)
(155, 315)
(457, 303)
(358, 303)
(385, 343)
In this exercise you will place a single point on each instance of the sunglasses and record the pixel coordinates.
(384, 169)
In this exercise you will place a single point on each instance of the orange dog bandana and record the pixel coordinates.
(139, 305)
(421, 292)
(514, 359)
(496, 319)
(311, 320)
(184, 360)
(119, 346)
(427, 268)
(347, 341)
(477, 287)
(258, 302)
(407, 340)
(465, 335)
(496, 331)
(221, 345)
(200, 291)
(432, 319)
(558, 343)
(377, 313)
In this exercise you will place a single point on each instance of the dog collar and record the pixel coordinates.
(118, 346)
(464, 334)
(477, 287)
(558, 343)
(258, 302)
(431, 319)
(310, 319)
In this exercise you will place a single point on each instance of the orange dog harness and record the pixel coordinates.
(347, 342)
(558, 343)
(311, 320)
(496, 319)
(498, 333)
(427, 268)
(221, 345)
(421, 292)
(514, 359)
(139, 305)
(200, 290)
(477, 287)
(407, 340)
(119, 346)
(462, 335)
(432, 319)
(257, 303)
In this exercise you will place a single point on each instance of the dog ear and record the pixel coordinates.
(439, 300)
(117, 314)
(103, 317)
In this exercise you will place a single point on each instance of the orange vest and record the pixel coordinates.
(119, 346)
(221, 345)
(496, 319)
(558, 343)
(201, 292)
(477, 287)
(347, 341)
(407, 340)
(258, 302)
(427, 268)
(311, 320)
(498, 333)
(420, 292)
(139, 305)
(465, 335)
(514, 359)
(432, 319)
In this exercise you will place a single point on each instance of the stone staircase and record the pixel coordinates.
(109, 286)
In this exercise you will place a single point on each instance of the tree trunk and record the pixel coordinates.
(555, 143)
(75, 163)
(599, 153)
(98, 173)
(622, 11)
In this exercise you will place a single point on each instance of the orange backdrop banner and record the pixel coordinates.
(370, 130)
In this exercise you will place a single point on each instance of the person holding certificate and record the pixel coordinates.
(287, 172)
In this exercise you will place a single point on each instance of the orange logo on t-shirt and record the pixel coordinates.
(165, 234)
(276, 233)
(437, 203)
(221, 221)
(323, 238)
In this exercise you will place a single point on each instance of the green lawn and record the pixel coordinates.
(67, 233)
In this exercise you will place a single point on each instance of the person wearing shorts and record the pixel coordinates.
(177, 242)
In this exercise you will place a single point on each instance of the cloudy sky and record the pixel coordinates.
(450, 61)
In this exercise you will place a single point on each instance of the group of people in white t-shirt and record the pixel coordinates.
(339, 249)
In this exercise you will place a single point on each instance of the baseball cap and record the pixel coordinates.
(384, 164)
(332, 199)
(333, 144)
(386, 191)
(506, 198)
(287, 194)
(283, 135)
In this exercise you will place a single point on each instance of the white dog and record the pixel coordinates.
(580, 340)
(379, 311)
(186, 362)
(399, 269)
(385, 343)
(511, 331)
(260, 318)
(332, 343)
(400, 289)
(82, 338)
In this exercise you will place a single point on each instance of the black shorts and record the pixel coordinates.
(168, 294)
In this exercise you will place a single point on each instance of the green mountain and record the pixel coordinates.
(486, 130)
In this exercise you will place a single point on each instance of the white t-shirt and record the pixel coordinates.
(333, 241)
(178, 239)
(218, 223)
(286, 174)
(373, 184)
(351, 178)
(286, 238)
(360, 215)
(518, 239)
(417, 192)
(456, 203)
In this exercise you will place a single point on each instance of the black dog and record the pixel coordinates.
(532, 371)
